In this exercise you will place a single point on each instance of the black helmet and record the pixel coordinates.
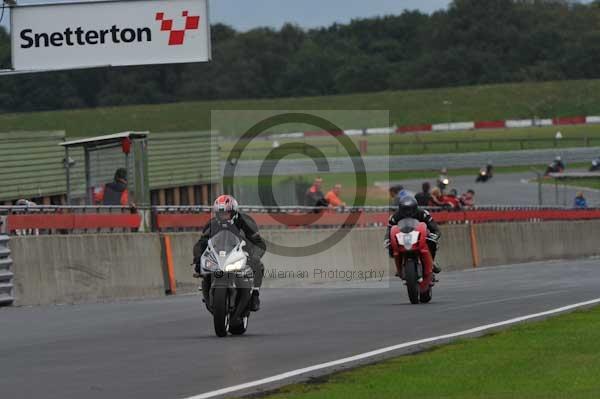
(408, 207)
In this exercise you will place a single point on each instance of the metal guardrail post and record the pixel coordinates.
(539, 183)
(6, 274)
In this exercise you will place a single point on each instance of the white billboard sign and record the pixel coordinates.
(109, 33)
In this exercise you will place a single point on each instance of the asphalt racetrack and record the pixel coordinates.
(166, 348)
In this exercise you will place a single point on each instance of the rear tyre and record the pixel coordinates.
(412, 283)
(221, 311)
(425, 297)
(240, 328)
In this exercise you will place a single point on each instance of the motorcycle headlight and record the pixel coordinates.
(408, 240)
(210, 265)
(446, 181)
(235, 266)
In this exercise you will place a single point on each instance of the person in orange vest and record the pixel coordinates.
(333, 197)
(114, 193)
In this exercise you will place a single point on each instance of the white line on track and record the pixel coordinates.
(366, 355)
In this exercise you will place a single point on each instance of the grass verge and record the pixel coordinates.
(551, 359)
(434, 143)
(582, 183)
(487, 102)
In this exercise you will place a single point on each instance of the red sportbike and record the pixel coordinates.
(413, 259)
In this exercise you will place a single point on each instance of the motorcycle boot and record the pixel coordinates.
(255, 301)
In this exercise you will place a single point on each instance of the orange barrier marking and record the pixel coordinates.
(474, 248)
(170, 269)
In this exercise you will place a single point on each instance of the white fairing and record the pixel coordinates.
(215, 259)
(408, 240)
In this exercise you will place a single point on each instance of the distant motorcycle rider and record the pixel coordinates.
(408, 208)
(489, 169)
(443, 180)
(557, 166)
(226, 215)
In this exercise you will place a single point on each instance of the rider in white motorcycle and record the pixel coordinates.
(227, 216)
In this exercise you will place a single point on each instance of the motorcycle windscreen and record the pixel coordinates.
(407, 225)
(224, 241)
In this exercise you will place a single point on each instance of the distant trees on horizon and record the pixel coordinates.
(472, 42)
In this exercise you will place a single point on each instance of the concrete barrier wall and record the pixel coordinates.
(506, 243)
(86, 268)
(69, 269)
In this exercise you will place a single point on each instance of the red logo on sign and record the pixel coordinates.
(177, 36)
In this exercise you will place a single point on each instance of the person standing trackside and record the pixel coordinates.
(114, 193)
(580, 201)
(333, 197)
(314, 196)
(424, 197)
(468, 199)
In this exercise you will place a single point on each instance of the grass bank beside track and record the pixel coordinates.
(582, 183)
(434, 143)
(550, 359)
(487, 102)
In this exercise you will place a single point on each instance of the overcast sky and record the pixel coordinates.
(247, 14)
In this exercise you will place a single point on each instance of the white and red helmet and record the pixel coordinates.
(225, 208)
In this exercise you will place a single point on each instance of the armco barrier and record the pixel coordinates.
(574, 120)
(178, 221)
(414, 128)
(490, 125)
(451, 126)
(73, 221)
(6, 274)
(170, 219)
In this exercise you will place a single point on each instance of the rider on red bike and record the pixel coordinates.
(408, 208)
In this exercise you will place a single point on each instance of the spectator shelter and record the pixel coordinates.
(102, 156)
(31, 167)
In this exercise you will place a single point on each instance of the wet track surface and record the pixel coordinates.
(166, 348)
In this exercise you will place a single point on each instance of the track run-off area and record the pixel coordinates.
(166, 348)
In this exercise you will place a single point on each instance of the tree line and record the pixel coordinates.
(472, 42)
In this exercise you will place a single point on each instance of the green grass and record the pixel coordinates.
(433, 143)
(584, 183)
(491, 102)
(551, 359)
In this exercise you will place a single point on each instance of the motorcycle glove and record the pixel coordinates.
(433, 237)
